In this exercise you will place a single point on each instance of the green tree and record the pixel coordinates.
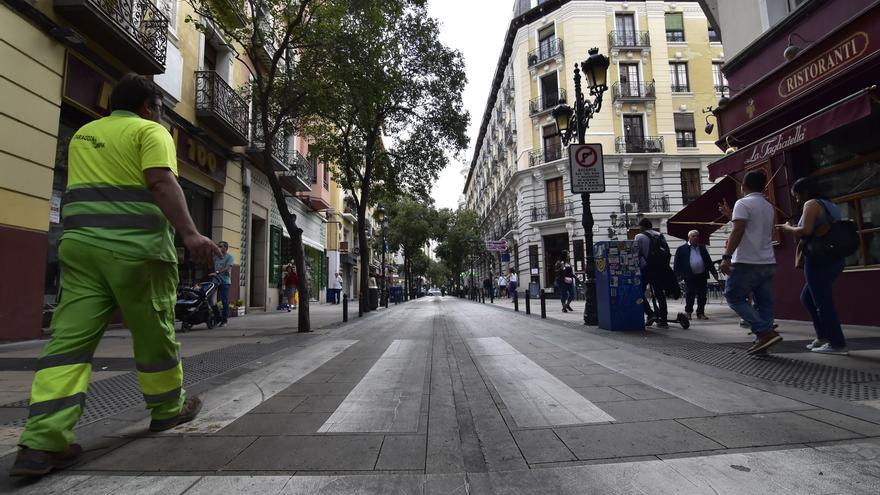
(462, 247)
(268, 36)
(410, 227)
(385, 104)
(439, 274)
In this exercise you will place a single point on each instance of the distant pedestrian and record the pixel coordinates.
(291, 278)
(512, 283)
(749, 261)
(488, 287)
(817, 295)
(693, 265)
(502, 285)
(565, 282)
(336, 289)
(223, 274)
(654, 259)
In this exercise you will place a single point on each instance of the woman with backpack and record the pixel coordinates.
(565, 282)
(819, 213)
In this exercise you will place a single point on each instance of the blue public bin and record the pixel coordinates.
(619, 293)
(395, 294)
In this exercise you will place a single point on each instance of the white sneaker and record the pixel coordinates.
(816, 343)
(827, 349)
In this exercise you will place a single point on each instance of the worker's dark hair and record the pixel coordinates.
(132, 91)
(806, 188)
(755, 181)
(646, 224)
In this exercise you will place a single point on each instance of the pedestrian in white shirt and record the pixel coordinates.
(502, 286)
(512, 283)
(336, 287)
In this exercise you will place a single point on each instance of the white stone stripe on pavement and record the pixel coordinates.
(534, 397)
(848, 468)
(389, 397)
(223, 405)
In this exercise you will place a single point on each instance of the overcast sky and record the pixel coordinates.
(477, 29)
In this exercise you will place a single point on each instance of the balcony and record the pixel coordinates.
(547, 50)
(298, 171)
(221, 108)
(686, 142)
(258, 146)
(633, 91)
(645, 203)
(681, 88)
(547, 155)
(629, 39)
(639, 144)
(134, 31)
(722, 89)
(552, 211)
(547, 102)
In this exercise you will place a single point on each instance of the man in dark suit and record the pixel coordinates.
(693, 265)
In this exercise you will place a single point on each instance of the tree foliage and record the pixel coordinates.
(461, 243)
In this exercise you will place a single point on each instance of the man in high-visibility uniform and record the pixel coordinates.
(117, 251)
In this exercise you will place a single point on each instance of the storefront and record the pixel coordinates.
(816, 115)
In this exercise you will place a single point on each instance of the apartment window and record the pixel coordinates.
(549, 91)
(625, 26)
(690, 184)
(552, 143)
(313, 161)
(630, 80)
(675, 27)
(713, 35)
(678, 74)
(685, 131)
(327, 176)
(555, 198)
(546, 43)
(638, 190)
(718, 77)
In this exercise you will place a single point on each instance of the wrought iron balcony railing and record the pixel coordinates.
(546, 50)
(552, 210)
(681, 88)
(219, 105)
(645, 203)
(547, 102)
(686, 142)
(629, 39)
(135, 31)
(278, 145)
(639, 144)
(302, 167)
(633, 91)
(547, 154)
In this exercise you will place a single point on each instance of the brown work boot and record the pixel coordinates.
(188, 412)
(764, 341)
(33, 462)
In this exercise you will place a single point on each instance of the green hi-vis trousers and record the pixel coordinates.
(94, 283)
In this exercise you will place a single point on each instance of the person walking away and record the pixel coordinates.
(693, 265)
(487, 286)
(817, 295)
(654, 259)
(565, 282)
(512, 284)
(749, 261)
(290, 280)
(117, 252)
(502, 285)
(223, 273)
(336, 288)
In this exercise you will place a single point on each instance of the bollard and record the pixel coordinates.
(492, 297)
(360, 305)
(516, 301)
(528, 302)
(345, 308)
(386, 300)
(543, 304)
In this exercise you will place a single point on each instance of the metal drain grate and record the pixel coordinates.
(843, 383)
(116, 394)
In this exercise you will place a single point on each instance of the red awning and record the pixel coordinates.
(702, 214)
(854, 107)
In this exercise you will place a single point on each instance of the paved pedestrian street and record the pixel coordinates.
(447, 396)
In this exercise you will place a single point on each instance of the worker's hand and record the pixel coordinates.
(201, 249)
(725, 267)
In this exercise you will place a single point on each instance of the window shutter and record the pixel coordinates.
(684, 121)
(674, 22)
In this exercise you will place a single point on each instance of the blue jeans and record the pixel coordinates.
(756, 280)
(566, 293)
(817, 297)
(224, 298)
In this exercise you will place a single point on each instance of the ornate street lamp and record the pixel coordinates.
(625, 223)
(379, 215)
(574, 123)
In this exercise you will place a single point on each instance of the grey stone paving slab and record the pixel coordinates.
(641, 391)
(317, 377)
(446, 438)
(633, 439)
(542, 446)
(344, 485)
(330, 388)
(320, 403)
(602, 394)
(276, 424)
(653, 409)
(279, 404)
(598, 380)
(49, 485)
(310, 453)
(766, 429)
(402, 452)
(171, 454)
(842, 421)
(263, 485)
(563, 371)
(446, 484)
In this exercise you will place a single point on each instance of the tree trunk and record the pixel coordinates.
(365, 259)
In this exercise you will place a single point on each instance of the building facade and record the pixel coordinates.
(60, 62)
(665, 69)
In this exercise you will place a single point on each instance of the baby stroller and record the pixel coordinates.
(196, 305)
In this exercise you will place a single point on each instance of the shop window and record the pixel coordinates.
(675, 27)
(690, 185)
(199, 202)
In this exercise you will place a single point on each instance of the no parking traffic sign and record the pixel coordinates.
(586, 168)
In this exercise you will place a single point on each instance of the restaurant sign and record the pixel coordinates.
(782, 141)
(198, 153)
(824, 65)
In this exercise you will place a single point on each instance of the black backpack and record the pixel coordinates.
(658, 254)
(841, 240)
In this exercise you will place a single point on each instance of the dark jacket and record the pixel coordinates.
(682, 264)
